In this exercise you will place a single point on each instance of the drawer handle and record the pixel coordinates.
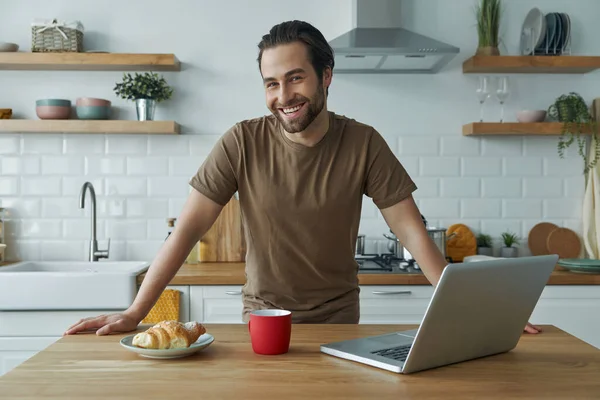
(233, 293)
(385, 292)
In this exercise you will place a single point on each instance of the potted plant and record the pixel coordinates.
(572, 111)
(488, 14)
(509, 239)
(146, 89)
(484, 244)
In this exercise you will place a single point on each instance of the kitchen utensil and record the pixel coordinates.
(203, 342)
(360, 244)
(5, 113)
(564, 242)
(461, 242)
(225, 239)
(270, 331)
(527, 116)
(586, 262)
(502, 93)
(53, 108)
(538, 237)
(394, 246)
(92, 112)
(8, 47)
(567, 24)
(533, 31)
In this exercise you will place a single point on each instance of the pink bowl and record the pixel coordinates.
(53, 112)
(91, 101)
(531, 116)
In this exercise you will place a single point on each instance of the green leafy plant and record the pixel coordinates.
(510, 239)
(573, 112)
(488, 14)
(484, 240)
(143, 86)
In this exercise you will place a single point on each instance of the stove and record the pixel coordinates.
(386, 264)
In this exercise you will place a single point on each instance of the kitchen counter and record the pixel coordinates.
(552, 364)
(233, 274)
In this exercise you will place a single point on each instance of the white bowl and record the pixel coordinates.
(531, 115)
(8, 47)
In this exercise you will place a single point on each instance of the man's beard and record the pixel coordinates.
(315, 106)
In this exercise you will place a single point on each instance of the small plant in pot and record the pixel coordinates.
(509, 239)
(146, 89)
(573, 112)
(484, 244)
(488, 13)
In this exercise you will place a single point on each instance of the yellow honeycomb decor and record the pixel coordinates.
(165, 309)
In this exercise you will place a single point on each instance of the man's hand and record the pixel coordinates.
(105, 324)
(532, 329)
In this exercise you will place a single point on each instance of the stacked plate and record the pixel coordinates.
(545, 34)
(583, 265)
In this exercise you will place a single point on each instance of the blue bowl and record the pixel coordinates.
(92, 112)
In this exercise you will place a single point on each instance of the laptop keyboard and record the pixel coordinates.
(399, 353)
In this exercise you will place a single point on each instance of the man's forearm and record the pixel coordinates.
(196, 218)
(163, 268)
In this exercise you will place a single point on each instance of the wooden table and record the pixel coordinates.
(550, 365)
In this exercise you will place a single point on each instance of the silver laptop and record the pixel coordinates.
(478, 309)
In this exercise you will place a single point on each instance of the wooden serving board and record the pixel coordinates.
(224, 241)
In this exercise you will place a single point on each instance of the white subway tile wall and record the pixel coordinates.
(136, 193)
(492, 184)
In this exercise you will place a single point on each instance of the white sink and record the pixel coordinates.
(69, 285)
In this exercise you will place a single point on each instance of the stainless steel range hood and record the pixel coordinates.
(378, 45)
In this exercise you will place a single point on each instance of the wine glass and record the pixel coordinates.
(483, 93)
(502, 92)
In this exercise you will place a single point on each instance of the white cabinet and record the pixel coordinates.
(574, 309)
(394, 304)
(216, 304)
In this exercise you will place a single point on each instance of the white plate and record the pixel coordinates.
(534, 24)
(203, 342)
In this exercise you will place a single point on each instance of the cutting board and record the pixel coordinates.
(224, 242)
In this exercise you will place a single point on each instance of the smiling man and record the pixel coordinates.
(301, 174)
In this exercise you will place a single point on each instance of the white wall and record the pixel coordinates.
(489, 184)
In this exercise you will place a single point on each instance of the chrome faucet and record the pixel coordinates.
(95, 254)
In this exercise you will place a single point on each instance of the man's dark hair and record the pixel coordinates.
(319, 51)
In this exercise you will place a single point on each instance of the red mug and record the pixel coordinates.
(270, 331)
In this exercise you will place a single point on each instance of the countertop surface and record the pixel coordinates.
(233, 274)
(550, 365)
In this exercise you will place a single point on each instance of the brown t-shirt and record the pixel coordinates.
(301, 209)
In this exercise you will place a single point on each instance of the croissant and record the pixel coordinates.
(169, 335)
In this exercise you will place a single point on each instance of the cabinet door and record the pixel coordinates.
(394, 304)
(184, 302)
(574, 309)
(216, 304)
(15, 350)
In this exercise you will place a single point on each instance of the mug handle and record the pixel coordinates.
(249, 326)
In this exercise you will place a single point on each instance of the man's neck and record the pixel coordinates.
(313, 133)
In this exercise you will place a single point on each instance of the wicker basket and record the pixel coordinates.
(56, 36)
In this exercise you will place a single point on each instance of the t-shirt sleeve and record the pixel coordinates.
(217, 176)
(387, 182)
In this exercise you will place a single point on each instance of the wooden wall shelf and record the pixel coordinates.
(531, 64)
(513, 128)
(89, 126)
(88, 62)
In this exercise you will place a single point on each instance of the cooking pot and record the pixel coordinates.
(437, 235)
(394, 246)
(360, 244)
